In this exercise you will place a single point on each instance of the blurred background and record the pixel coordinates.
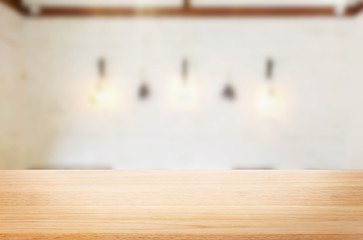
(181, 84)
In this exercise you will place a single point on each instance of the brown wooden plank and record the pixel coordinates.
(354, 10)
(187, 4)
(16, 5)
(187, 11)
(181, 205)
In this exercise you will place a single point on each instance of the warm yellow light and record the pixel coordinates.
(103, 96)
(99, 96)
(186, 93)
(182, 94)
(268, 100)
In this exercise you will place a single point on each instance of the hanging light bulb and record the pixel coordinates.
(101, 95)
(268, 98)
(268, 101)
(185, 88)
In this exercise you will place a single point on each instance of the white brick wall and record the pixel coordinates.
(11, 89)
(316, 77)
(47, 121)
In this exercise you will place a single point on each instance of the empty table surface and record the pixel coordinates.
(178, 205)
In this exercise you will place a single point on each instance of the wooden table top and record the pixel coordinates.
(181, 205)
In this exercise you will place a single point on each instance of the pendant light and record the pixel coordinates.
(185, 91)
(268, 98)
(144, 90)
(229, 92)
(186, 88)
(100, 95)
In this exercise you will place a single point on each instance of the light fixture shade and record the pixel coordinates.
(144, 91)
(229, 92)
(270, 65)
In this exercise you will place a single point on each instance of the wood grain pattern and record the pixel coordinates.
(181, 205)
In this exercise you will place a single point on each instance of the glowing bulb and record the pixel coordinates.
(186, 90)
(102, 95)
(187, 93)
(268, 100)
(183, 94)
(99, 96)
(186, 87)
